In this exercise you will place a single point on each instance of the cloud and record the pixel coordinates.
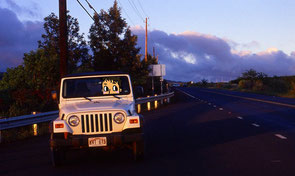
(253, 45)
(31, 10)
(194, 56)
(16, 38)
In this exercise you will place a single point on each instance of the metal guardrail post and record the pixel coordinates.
(35, 126)
(148, 104)
(138, 108)
(35, 129)
(156, 103)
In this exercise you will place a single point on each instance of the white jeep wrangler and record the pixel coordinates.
(96, 110)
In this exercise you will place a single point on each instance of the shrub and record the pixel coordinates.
(292, 89)
(258, 85)
(278, 85)
(245, 84)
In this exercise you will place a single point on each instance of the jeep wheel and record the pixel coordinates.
(138, 150)
(57, 157)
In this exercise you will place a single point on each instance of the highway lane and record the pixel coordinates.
(273, 125)
(273, 112)
(200, 134)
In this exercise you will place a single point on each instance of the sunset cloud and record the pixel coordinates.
(16, 38)
(188, 55)
(194, 56)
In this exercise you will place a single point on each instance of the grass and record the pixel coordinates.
(289, 93)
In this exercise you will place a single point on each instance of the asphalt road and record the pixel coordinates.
(206, 132)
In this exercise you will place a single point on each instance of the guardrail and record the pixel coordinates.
(19, 121)
(25, 120)
(154, 98)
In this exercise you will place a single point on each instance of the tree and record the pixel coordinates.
(261, 75)
(114, 46)
(30, 84)
(253, 74)
(250, 74)
(77, 47)
(204, 82)
(105, 40)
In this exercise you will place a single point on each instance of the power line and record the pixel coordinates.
(136, 10)
(85, 10)
(126, 13)
(90, 6)
(142, 8)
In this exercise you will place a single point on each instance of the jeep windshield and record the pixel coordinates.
(96, 86)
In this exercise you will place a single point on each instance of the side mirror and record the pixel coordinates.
(54, 95)
(138, 92)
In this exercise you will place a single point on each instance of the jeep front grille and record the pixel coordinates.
(92, 123)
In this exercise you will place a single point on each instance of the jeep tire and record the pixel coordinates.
(57, 153)
(57, 157)
(138, 150)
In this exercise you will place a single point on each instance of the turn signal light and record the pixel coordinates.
(61, 125)
(133, 121)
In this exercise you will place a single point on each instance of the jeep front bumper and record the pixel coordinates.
(81, 141)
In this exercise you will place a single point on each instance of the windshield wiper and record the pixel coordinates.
(88, 98)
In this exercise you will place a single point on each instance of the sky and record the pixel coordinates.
(215, 40)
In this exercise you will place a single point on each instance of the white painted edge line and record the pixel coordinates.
(256, 125)
(187, 94)
(253, 99)
(280, 136)
(239, 117)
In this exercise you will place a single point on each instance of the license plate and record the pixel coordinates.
(97, 141)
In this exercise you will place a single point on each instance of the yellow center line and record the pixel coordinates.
(252, 99)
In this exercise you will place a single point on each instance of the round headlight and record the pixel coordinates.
(74, 121)
(119, 118)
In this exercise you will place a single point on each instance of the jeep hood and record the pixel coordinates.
(73, 107)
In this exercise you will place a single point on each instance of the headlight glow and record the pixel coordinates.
(74, 120)
(119, 118)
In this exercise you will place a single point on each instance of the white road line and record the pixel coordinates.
(280, 136)
(240, 117)
(187, 94)
(256, 125)
(221, 109)
(253, 99)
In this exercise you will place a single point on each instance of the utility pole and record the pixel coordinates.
(145, 54)
(154, 52)
(63, 37)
